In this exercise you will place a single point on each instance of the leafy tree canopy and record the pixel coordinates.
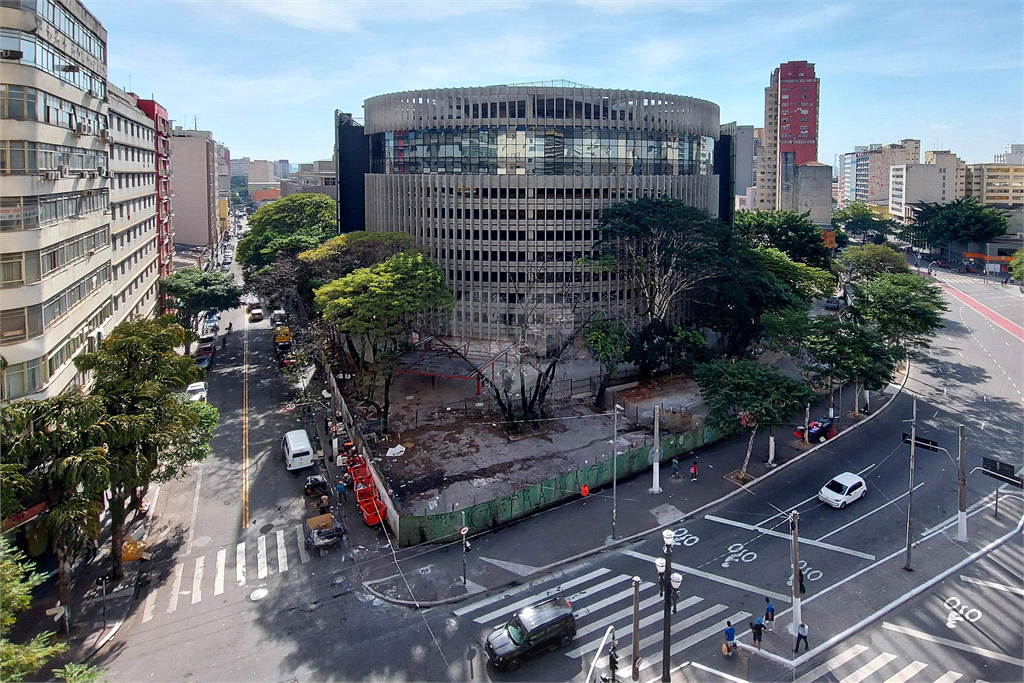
(1017, 265)
(289, 225)
(962, 220)
(197, 291)
(905, 309)
(790, 232)
(664, 247)
(861, 263)
(860, 220)
(17, 579)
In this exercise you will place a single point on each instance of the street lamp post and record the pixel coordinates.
(668, 587)
(615, 466)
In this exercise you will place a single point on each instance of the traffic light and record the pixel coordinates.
(801, 576)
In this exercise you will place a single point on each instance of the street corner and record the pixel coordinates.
(421, 587)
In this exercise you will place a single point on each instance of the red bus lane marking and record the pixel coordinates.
(1003, 322)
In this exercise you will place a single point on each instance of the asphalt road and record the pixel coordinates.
(202, 621)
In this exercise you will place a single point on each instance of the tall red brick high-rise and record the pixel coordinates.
(790, 126)
(164, 208)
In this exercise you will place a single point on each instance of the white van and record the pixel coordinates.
(298, 452)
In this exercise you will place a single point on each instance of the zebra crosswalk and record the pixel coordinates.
(194, 578)
(858, 663)
(601, 598)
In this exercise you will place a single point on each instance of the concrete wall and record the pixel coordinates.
(194, 182)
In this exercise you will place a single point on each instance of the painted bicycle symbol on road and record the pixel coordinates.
(683, 537)
(809, 574)
(738, 553)
(959, 612)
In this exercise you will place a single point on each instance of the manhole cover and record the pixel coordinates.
(259, 594)
(265, 528)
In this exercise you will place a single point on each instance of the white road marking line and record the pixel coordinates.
(218, 581)
(657, 615)
(714, 577)
(869, 668)
(715, 672)
(989, 584)
(303, 555)
(906, 673)
(832, 664)
(779, 534)
(175, 588)
(656, 638)
(473, 606)
(870, 513)
(282, 553)
(597, 588)
(540, 596)
(240, 563)
(805, 500)
(197, 580)
(261, 558)
(991, 654)
(195, 511)
(147, 613)
(600, 604)
(618, 616)
(693, 640)
(949, 677)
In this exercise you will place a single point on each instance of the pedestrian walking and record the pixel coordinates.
(730, 638)
(1006, 281)
(584, 491)
(94, 547)
(675, 468)
(757, 631)
(223, 341)
(769, 614)
(229, 328)
(693, 471)
(801, 634)
(342, 495)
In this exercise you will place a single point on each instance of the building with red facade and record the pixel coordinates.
(164, 208)
(790, 129)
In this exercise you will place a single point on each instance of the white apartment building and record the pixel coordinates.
(134, 260)
(912, 183)
(223, 172)
(1013, 155)
(261, 171)
(55, 213)
(194, 180)
(240, 167)
(1001, 184)
(864, 173)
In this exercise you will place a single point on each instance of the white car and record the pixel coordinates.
(197, 391)
(842, 490)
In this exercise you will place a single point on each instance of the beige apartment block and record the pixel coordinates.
(996, 183)
(318, 177)
(194, 179)
(261, 171)
(134, 259)
(912, 183)
(952, 171)
(55, 194)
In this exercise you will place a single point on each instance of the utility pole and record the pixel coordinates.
(615, 465)
(910, 496)
(636, 628)
(771, 448)
(961, 515)
(465, 546)
(656, 452)
(794, 527)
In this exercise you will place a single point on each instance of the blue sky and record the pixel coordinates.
(266, 75)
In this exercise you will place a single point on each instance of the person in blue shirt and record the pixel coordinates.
(730, 637)
(769, 614)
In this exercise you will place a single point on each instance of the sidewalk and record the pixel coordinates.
(436, 575)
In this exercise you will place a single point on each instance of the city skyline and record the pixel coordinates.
(266, 77)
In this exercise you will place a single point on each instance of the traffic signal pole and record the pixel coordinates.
(794, 527)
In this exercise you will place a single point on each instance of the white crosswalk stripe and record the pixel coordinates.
(507, 609)
(832, 664)
(908, 672)
(147, 612)
(282, 553)
(240, 564)
(303, 555)
(261, 558)
(197, 580)
(869, 668)
(218, 582)
(858, 671)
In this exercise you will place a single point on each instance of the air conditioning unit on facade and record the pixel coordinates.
(11, 54)
(105, 134)
(65, 171)
(104, 172)
(52, 175)
(81, 128)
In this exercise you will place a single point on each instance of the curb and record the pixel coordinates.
(421, 604)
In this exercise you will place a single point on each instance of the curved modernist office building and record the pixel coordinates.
(504, 185)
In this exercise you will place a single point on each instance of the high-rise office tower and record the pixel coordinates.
(790, 126)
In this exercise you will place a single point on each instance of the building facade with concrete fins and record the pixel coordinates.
(504, 186)
(134, 234)
(194, 179)
(1013, 155)
(996, 184)
(790, 125)
(55, 196)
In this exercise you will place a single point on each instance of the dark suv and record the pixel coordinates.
(547, 624)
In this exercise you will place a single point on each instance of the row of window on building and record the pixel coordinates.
(510, 235)
(21, 324)
(28, 267)
(32, 213)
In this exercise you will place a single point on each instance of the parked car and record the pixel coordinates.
(197, 391)
(255, 314)
(545, 625)
(833, 303)
(819, 431)
(251, 305)
(842, 490)
(940, 264)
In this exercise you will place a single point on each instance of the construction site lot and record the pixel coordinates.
(457, 452)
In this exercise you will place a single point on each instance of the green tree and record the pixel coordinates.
(609, 343)
(1017, 265)
(381, 306)
(138, 375)
(961, 220)
(289, 225)
(743, 396)
(904, 309)
(862, 263)
(663, 248)
(18, 576)
(859, 220)
(792, 233)
(198, 291)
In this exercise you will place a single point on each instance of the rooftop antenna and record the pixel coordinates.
(129, 82)
(195, 123)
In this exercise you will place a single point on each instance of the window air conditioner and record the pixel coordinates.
(81, 128)
(52, 175)
(105, 133)
(65, 171)
(11, 54)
